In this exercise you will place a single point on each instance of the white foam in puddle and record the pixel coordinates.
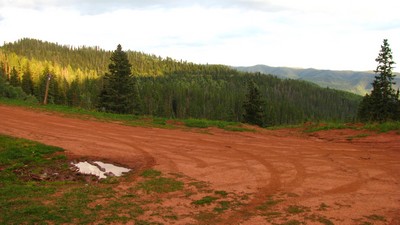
(116, 170)
(100, 169)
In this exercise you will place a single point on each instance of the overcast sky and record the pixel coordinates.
(322, 34)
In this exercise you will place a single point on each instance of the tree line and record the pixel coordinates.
(167, 88)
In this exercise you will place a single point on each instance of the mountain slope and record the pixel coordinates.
(170, 88)
(95, 60)
(352, 81)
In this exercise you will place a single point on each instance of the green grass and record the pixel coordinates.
(207, 200)
(223, 205)
(207, 218)
(366, 223)
(160, 185)
(320, 219)
(292, 222)
(221, 193)
(375, 217)
(225, 125)
(328, 126)
(384, 127)
(325, 221)
(200, 185)
(323, 126)
(378, 127)
(268, 204)
(357, 136)
(295, 209)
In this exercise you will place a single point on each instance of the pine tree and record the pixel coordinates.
(74, 93)
(117, 95)
(2, 72)
(27, 83)
(14, 78)
(253, 106)
(383, 102)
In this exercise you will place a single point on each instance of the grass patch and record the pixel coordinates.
(366, 223)
(321, 219)
(295, 209)
(223, 205)
(198, 123)
(378, 127)
(325, 221)
(384, 127)
(292, 222)
(315, 127)
(199, 185)
(161, 185)
(142, 222)
(357, 136)
(29, 197)
(292, 195)
(323, 207)
(225, 125)
(207, 200)
(328, 126)
(375, 217)
(271, 215)
(221, 193)
(207, 218)
(285, 126)
(268, 204)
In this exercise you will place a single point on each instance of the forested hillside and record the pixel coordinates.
(167, 87)
(83, 61)
(352, 81)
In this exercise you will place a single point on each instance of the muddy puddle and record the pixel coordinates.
(100, 169)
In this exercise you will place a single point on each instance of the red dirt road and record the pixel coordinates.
(354, 179)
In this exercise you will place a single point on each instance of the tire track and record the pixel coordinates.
(270, 164)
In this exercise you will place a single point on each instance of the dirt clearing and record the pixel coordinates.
(276, 177)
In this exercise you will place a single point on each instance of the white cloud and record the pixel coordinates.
(341, 34)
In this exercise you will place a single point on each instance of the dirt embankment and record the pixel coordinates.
(355, 176)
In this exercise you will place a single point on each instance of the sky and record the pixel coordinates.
(321, 34)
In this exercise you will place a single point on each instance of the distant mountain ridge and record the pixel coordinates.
(352, 81)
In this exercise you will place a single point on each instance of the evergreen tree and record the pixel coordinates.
(27, 83)
(254, 106)
(2, 72)
(137, 102)
(74, 94)
(117, 95)
(14, 78)
(383, 102)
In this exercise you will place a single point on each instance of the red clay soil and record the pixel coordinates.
(343, 177)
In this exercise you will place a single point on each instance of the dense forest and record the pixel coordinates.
(166, 87)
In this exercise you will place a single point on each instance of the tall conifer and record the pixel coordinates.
(117, 95)
(27, 83)
(253, 106)
(383, 102)
(14, 78)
